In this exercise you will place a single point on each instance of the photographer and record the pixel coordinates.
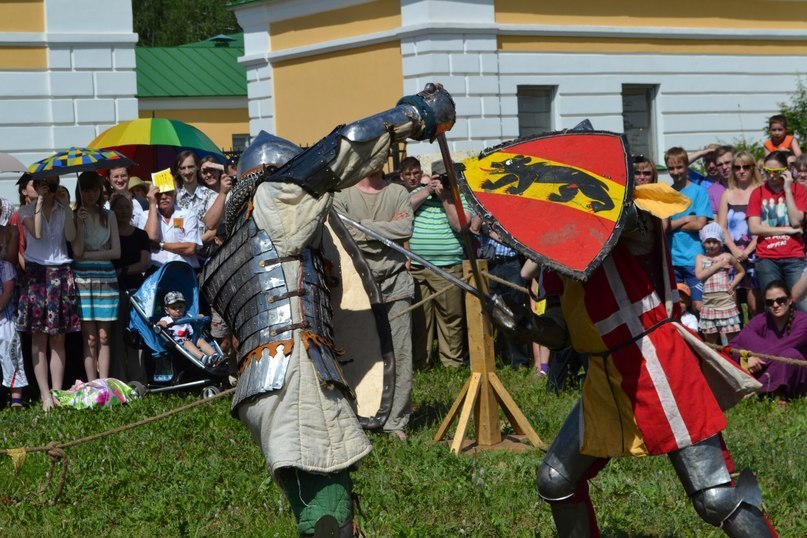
(435, 238)
(776, 215)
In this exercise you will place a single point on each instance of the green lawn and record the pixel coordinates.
(199, 474)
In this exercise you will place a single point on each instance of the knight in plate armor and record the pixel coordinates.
(652, 387)
(268, 282)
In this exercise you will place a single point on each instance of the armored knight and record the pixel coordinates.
(652, 387)
(268, 283)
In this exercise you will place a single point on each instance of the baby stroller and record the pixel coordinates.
(174, 367)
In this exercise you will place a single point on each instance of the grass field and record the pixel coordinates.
(199, 474)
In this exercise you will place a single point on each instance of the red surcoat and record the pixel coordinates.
(648, 394)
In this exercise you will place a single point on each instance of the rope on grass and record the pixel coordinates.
(56, 451)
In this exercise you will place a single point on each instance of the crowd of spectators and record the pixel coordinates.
(737, 251)
(66, 270)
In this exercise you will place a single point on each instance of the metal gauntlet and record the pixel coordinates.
(435, 108)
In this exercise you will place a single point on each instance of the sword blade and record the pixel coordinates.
(412, 256)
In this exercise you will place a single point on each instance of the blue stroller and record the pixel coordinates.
(175, 368)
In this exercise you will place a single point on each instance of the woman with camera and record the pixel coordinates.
(776, 215)
(48, 304)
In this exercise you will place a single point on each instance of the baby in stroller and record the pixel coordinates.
(182, 333)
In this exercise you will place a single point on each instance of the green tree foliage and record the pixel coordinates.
(168, 23)
(796, 112)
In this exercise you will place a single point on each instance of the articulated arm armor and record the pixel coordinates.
(321, 168)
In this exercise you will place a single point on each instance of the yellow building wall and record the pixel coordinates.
(738, 14)
(23, 58)
(604, 45)
(22, 16)
(218, 124)
(337, 24)
(364, 80)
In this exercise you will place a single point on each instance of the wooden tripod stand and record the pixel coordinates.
(483, 392)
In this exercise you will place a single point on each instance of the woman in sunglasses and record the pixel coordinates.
(644, 170)
(782, 332)
(776, 215)
(741, 243)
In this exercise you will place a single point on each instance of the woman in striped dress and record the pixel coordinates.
(97, 243)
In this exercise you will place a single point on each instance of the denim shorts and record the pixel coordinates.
(686, 274)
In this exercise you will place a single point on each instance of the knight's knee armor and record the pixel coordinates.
(736, 508)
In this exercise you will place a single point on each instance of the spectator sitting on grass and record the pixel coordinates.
(182, 333)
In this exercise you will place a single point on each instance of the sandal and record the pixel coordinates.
(16, 404)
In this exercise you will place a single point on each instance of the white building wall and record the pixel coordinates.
(701, 99)
(257, 45)
(88, 86)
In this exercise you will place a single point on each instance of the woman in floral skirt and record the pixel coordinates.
(48, 305)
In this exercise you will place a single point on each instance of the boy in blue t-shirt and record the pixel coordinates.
(683, 237)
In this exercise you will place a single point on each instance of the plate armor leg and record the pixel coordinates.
(736, 508)
(563, 481)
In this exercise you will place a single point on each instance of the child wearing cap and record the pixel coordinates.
(719, 313)
(688, 319)
(182, 333)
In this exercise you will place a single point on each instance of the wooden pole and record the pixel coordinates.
(484, 393)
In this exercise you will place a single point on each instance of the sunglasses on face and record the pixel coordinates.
(777, 301)
(774, 171)
(647, 173)
(739, 167)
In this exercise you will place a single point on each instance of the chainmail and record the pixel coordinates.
(239, 197)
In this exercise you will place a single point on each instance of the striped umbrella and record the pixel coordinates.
(78, 160)
(155, 142)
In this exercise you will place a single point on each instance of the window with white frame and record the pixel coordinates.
(240, 142)
(535, 109)
(638, 118)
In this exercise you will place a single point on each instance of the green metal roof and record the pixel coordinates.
(207, 68)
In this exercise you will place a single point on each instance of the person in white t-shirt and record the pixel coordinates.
(173, 231)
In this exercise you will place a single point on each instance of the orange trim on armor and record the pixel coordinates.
(250, 207)
(257, 353)
(307, 337)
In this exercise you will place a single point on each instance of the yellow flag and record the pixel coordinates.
(163, 180)
(660, 199)
(17, 457)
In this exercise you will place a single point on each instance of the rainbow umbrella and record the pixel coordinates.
(78, 160)
(155, 142)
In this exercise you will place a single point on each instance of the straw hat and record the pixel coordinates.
(135, 181)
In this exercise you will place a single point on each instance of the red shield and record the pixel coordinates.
(558, 198)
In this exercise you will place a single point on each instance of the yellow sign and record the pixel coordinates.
(163, 180)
